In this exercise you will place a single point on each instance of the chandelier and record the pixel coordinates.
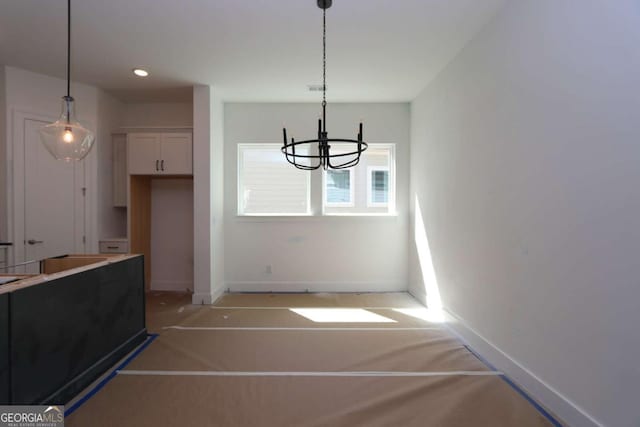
(66, 138)
(301, 154)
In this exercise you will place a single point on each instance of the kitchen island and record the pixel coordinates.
(62, 329)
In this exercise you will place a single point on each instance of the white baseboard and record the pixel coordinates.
(313, 286)
(169, 285)
(207, 298)
(560, 405)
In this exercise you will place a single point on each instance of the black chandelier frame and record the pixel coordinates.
(325, 158)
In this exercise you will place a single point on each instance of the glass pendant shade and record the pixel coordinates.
(67, 139)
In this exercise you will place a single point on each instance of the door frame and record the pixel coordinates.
(16, 187)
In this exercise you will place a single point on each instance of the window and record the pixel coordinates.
(268, 185)
(366, 189)
(339, 187)
(377, 186)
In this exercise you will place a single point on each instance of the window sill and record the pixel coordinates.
(317, 218)
(366, 215)
(263, 215)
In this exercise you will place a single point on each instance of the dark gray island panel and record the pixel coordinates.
(4, 344)
(65, 333)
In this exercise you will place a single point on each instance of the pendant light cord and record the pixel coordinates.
(68, 48)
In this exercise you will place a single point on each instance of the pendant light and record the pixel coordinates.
(67, 139)
(301, 154)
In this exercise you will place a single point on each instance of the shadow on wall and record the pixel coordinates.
(429, 280)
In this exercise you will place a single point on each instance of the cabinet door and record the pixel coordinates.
(176, 151)
(119, 170)
(144, 153)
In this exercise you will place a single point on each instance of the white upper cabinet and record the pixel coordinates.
(176, 151)
(160, 153)
(144, 153)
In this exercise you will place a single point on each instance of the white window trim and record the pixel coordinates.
(352, 191)
(239, 186)
(370, 202)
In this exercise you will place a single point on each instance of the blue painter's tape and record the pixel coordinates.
(109, 377)
(480, 358)
(517, 388)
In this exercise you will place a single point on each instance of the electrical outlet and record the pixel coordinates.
(268, 269)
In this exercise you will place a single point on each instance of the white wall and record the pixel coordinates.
(112, 222)
(158, 115)
(172, 234)
(315, 253)
(524, 160)
(39, 94)
(217, 194)
(203, 219)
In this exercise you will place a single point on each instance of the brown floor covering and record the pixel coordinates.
(187, 400)
(391, 299)
(331, 351)
(263, 317)
(169, 308)
(288, 402)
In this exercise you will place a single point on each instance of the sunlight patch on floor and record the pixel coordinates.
(423, 313)
(341, 315)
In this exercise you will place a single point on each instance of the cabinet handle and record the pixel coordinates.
(157, 161)
(162, 165)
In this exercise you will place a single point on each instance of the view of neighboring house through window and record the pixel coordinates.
(268, 185)
(378, 186)
(366, 189)
(339, 190)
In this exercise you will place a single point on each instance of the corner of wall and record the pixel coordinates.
(202, 220)
(111, 222)
(206, 298)
(217, 193)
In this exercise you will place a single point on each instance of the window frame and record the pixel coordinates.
(239, 183)
(370, 202)
(315, 190)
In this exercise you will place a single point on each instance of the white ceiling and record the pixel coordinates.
(249, 50)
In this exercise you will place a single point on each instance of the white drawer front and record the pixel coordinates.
(113, 247)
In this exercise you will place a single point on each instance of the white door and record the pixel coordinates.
(177, 157)
(54, 207)
(144, 153)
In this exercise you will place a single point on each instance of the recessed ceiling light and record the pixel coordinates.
(140, 72)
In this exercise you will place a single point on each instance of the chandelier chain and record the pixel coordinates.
(325, 158)
(324, 57)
